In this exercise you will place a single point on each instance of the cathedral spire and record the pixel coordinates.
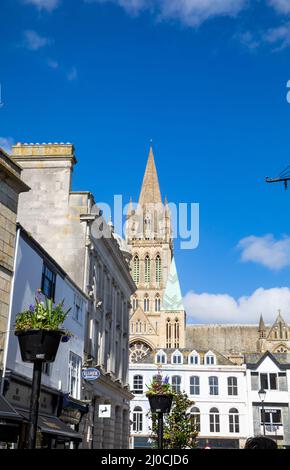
(261, 324)
(150, 192)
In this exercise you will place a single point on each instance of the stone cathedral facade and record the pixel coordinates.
(158, 317)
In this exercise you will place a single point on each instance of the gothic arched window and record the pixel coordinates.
(136, 269)
(176, 333)
(158, 269)
(168, 333)
(135, 303)
(147, 269)
(157, 303)
(146, 303)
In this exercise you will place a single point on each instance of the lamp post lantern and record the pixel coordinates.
(262, 396)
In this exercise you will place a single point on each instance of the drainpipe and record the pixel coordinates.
(10, 311)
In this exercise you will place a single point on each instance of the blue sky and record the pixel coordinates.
(206, 80)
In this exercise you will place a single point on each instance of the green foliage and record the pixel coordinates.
(179, 427)
(159, 386)
(43, 315)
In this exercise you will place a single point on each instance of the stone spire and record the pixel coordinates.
(262, 327)
(150, 192)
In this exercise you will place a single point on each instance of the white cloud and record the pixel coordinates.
(266, 250)
(189, 12)
(281, 6)
(33, 41)
(72, 74)
(53, 64)
(47, 5)
(280, 36)
(222, 308)
(6, 143)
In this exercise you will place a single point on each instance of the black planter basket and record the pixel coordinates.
(160, 403)
(38, 345)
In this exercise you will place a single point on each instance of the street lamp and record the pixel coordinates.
(262, 396)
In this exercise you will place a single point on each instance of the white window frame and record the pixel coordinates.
(177, 354)
(194, 385)
(233, 387)
(236, 421)
(213, 387)
(176, 387)
(138, 385)
(161, 354)
(137, 419)
(210, 359)
(194, 355)
(74, 375)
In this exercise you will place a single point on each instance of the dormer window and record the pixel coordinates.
(161, 357)
(209, 359)
(194, 358)
(177, 357)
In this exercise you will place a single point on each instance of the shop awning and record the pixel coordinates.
(55, 428)
(10, 422)
(7, 411)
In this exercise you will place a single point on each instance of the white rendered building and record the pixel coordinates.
(217, 387)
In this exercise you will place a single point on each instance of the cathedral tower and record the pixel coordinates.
(158, 317)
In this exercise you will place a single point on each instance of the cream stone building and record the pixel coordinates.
(158, 316)
(64, 223)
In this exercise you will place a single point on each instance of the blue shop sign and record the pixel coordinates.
(91, 374)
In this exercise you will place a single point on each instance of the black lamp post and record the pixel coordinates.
(160, 404)
(37, 347)
(262, 396)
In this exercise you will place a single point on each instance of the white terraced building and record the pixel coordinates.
(217, 387)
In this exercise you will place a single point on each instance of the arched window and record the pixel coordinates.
(135, 303)
(168, 333)
(177, 358)
(195, 416)
(136, 270)
(194, 358)
(232, 386)
(157, 303)
(161, 357)
(176, 333)
(214, 420)
(158, 269)
(194, 385)
(213, 385)
(137, 419)
(176, 383)
(234, 420)
(138, 384)
(147, 269)
(146, 303)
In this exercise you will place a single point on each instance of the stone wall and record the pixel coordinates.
(223, 338)
(10, 187)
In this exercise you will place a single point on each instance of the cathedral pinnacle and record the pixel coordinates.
(150, 192)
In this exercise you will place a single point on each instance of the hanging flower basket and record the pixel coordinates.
(38, 345)
(160, 403)
(160, 394)
(39, 330)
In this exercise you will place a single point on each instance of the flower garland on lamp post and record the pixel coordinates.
(160, 397)
(39, 334)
